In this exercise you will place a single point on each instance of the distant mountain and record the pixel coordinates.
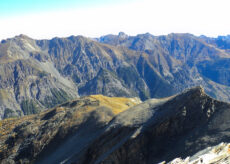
(39, 74)
(183, 60)
(222, 42)
(99, 129)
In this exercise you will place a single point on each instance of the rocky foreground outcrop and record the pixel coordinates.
(99, 129)
(219, 154)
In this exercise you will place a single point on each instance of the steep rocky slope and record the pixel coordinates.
(59, 133)
(164, 129)
(28, 85)
(35, 75)
(183, 60)
(39, 74)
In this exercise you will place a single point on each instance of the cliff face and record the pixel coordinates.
(39, 74)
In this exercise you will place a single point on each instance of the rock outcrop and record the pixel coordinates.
(215, 154)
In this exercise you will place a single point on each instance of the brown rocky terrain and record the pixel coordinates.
(99, 129)
(57, 134)
(39, 74)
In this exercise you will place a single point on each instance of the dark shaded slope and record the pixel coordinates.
(106, 83)
(217, 70)
(162, 130)
(54, 136)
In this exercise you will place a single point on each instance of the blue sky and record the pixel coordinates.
(45, 19)
(13, 7)
(19, 7)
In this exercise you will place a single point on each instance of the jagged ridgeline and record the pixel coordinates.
(39, 74)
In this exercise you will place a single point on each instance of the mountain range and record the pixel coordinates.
(116, 99)
(39, 74)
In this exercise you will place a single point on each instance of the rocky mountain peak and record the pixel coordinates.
(122, 35)
(23, 36)
(198, 91)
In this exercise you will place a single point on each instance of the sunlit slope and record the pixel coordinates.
(117, 104)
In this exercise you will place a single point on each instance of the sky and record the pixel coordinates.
(45, 19)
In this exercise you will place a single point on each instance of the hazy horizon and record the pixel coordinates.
(108, 34)
(40, 19)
